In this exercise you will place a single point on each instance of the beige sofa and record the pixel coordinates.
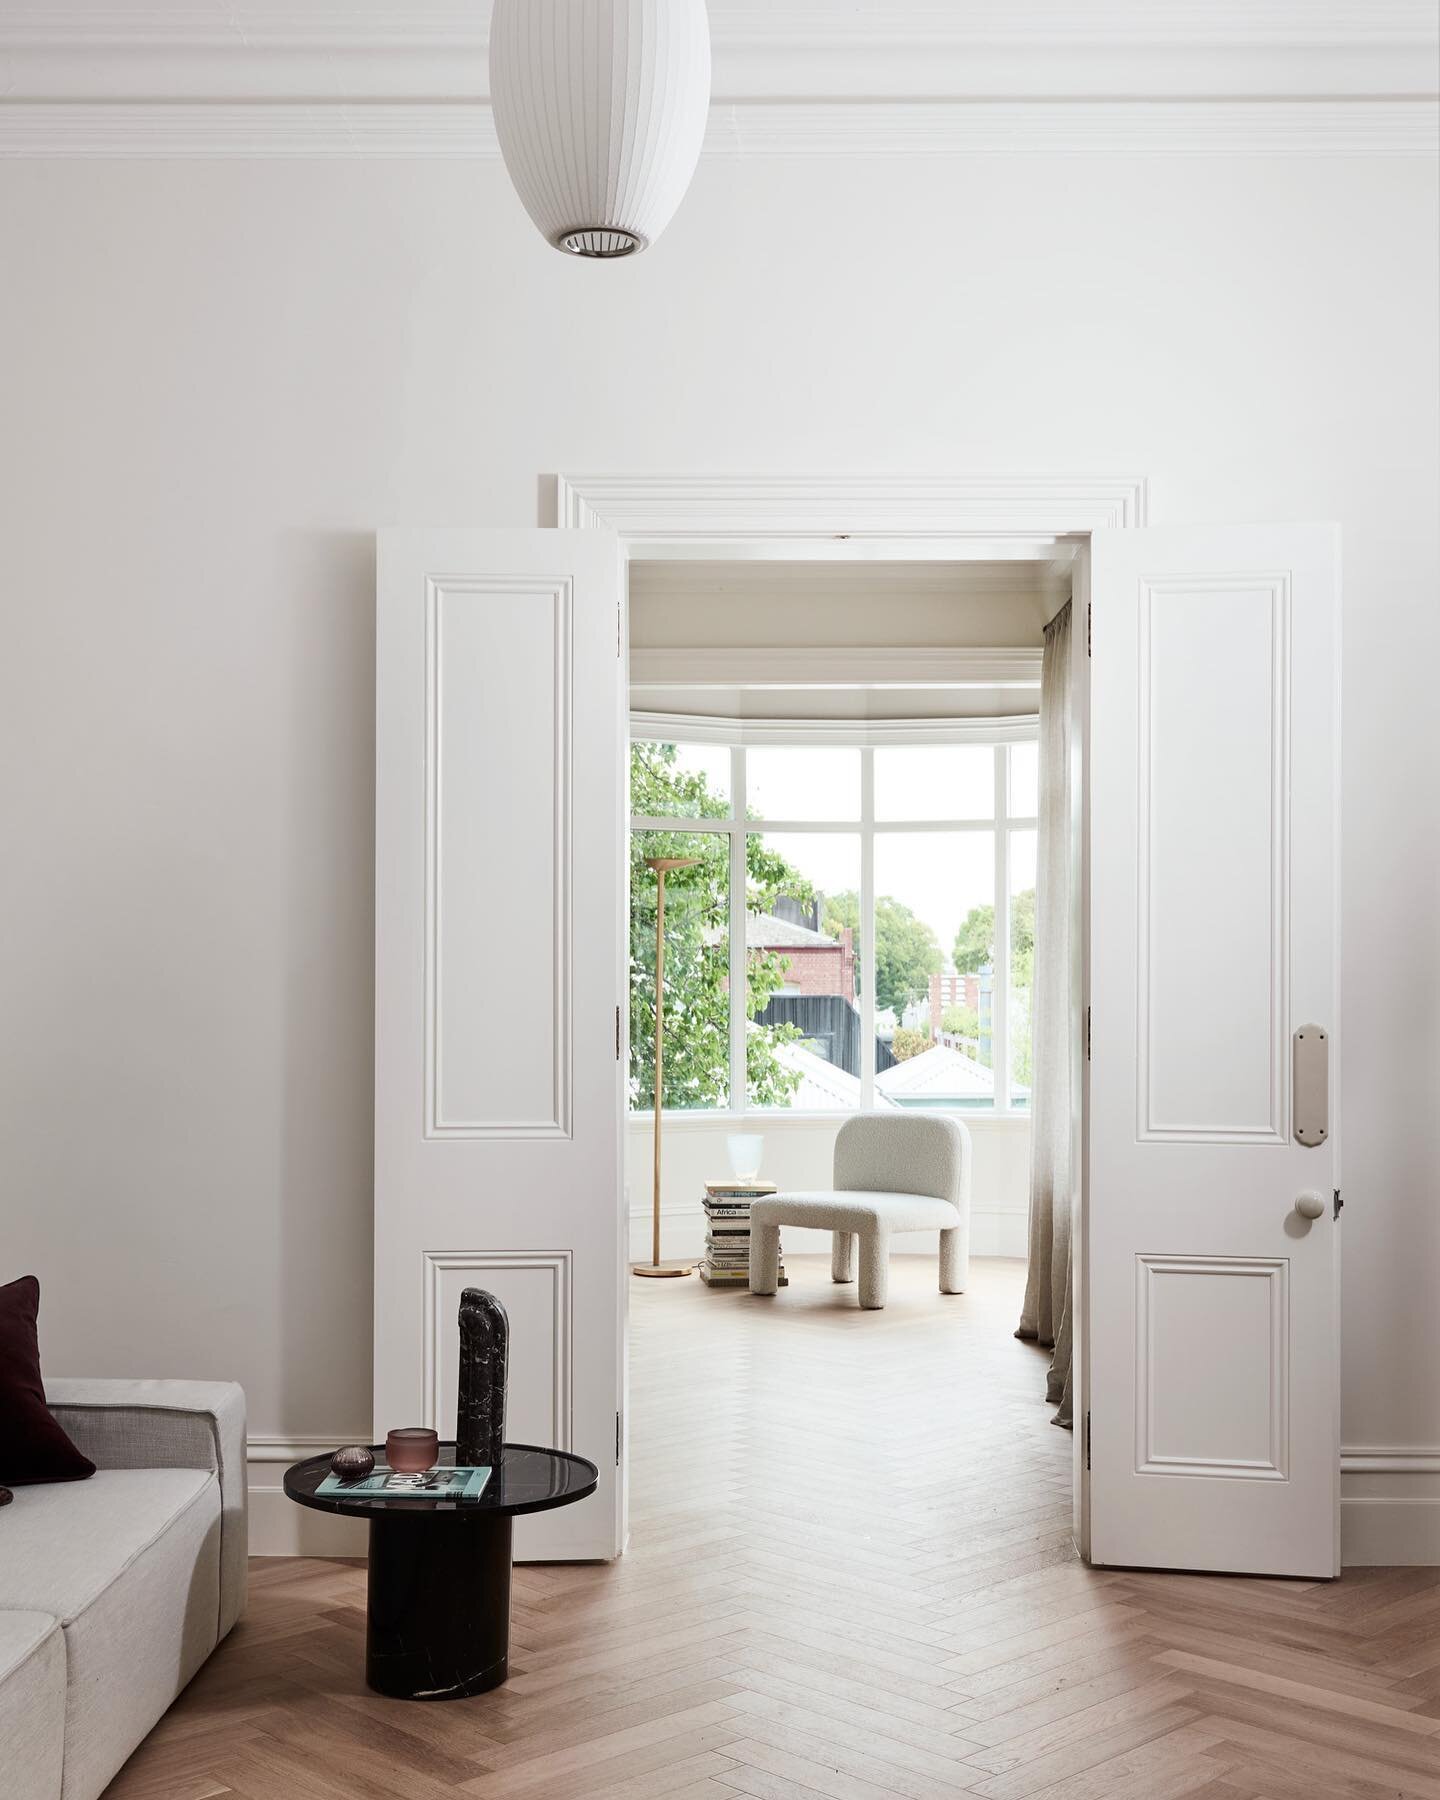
(114, 1590)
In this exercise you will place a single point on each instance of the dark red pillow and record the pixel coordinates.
(33, 1445)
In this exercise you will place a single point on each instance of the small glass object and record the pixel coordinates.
(353, 1463)
(412, 1449)
(746, 1150)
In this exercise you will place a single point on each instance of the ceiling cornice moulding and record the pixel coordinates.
(310, 78)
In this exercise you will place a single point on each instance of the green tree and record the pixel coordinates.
(962, 1021)
(975, 949)
(907, 1043)
(907, 951)
(697, 956)
(975, 940)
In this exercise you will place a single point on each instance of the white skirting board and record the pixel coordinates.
(278, 1527)
(1389, 1509)
(1389, 1506)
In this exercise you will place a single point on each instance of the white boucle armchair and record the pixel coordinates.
(892, 1172)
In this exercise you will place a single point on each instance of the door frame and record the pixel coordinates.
(889, 518)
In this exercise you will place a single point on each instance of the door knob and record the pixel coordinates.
(1310, 1205)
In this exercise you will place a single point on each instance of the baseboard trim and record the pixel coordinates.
(1390, 1505)
(1379, 1531)
(1389, 1508)
(278, 1527)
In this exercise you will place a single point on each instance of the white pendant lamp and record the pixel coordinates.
(600, 109)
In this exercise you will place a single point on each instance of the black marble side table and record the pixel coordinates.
(439, 1592)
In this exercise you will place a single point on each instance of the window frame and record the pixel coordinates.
(997, 733)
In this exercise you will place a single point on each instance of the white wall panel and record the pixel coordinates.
(1213, 745)
(1212, 1395)
(497, 944)
(534, 1287)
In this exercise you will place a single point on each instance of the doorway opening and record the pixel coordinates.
(841, 759)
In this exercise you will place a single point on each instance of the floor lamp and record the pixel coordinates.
(662, 865)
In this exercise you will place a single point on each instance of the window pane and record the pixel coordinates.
(696, 1064)
(1024, 780)
(802, 943)
(1022, 961)
(818, 783)
(934, 979)
(935, 781)
(679, 781)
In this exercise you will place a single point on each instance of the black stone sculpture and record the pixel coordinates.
(484, 1358)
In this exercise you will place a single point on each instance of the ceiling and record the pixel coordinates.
(839, 640)
(762, 604)
(380, 77)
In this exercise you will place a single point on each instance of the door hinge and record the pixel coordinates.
(1338, 1204)
(1088, 609)
(1087, 1440)
(619, 1439)
(617, 1034)
(1087, 1034)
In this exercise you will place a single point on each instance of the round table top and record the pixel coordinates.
(529, 1479)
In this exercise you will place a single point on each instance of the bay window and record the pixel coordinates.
(836, 943)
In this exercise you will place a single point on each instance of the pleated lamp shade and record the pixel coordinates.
(600, 108)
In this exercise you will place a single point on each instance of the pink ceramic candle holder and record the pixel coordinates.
(411, 1449)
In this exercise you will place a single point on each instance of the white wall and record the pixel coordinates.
(222, 377)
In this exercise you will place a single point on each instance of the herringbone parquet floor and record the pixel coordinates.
(850, 1575)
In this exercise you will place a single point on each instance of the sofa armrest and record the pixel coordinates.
(122, 1424)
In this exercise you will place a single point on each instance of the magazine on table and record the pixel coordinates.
(465, 1483)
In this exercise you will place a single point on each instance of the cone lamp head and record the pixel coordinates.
(600, 109)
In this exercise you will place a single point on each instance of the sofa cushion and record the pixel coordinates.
(129, 1562)
(32, 1704)
(33, 1444)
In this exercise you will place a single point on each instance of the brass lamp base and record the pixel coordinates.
(661, 1270)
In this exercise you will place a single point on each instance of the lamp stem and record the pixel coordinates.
(659, 1051)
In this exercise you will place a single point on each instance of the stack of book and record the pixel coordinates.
(727, 1232)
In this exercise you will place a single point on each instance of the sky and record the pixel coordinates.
(939, 875)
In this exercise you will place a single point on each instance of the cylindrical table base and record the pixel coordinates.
(439, 1611)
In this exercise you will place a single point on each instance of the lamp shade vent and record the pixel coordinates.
(600, 109)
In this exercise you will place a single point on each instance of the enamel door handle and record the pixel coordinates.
(1310, 1205)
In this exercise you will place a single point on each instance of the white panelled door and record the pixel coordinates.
(499, 916)
(1214, 1332)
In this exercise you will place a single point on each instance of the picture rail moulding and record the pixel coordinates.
(321, 127)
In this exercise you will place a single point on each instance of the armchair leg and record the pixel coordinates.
(764, 1258)
(842, 1256)
(954, 1260)
(874, 1269)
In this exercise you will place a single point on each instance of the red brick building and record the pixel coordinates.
(816, 963)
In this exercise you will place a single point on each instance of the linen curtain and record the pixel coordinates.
(1046, 1312)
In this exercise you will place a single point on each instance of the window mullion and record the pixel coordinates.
(739, 978)
(867, 929)
(1000, 983)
